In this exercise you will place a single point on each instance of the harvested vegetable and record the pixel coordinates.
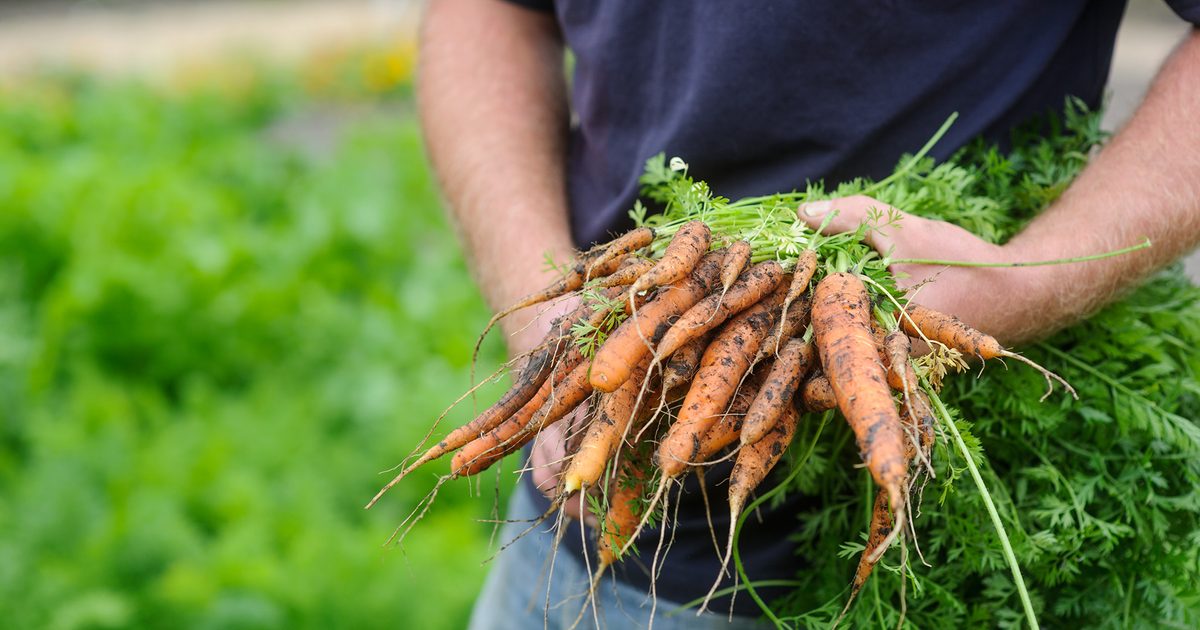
(782, 322)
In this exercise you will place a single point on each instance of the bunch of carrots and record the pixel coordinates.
(707, 334)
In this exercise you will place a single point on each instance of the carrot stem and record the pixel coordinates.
(1024, 263)
(1009, 556)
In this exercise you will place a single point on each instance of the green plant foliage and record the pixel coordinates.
(1099, 496)
(208, 342)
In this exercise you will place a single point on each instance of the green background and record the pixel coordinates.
(224, 308)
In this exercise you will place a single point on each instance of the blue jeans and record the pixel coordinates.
(516, 593)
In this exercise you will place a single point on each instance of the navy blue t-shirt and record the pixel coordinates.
(760, 97)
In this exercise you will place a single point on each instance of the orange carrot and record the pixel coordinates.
(817, 394)
(621, 518)
(571, 281)
(776, 394)
(802, 275)
(900, 373)
(737, 256)
(794, 321)
(754, 462)
(680, 257)
(955, 334)
(684, 362)
(603, 437)
(724, 363)
(841, 315)
(630, 342)
(880, 530)
(603, 255)
(509, 436)
(713, 310)
(949, 330)
(727, 430)
(631, 269)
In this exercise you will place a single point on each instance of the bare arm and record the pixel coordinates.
(492, 100)
(1145, 183)
(492, 97)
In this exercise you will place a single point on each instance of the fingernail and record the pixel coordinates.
(816, 208)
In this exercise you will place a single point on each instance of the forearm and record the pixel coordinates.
(1145, 183)
(492, 100)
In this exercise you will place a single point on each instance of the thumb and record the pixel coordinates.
(845, 214)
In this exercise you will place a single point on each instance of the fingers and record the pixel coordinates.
(547, 460)
(845, 214)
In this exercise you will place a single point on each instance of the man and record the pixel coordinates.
(761, 97)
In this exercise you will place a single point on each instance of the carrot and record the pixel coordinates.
(680, 257)
(630, 342)
(794, 322)
(802, 275)
(776, 394)
(572, 280)
(841, 315)
(684, 362)
(605, 253)
(713, 310)
(603, 437)
(900, 373)
(722, 366)
(737, 256)
(509, 436)
(754, 462)
(918, 418)
(880, 530)
(817, 394)
(621, 518)
(951, 331)
(727, 430)
(631, 269)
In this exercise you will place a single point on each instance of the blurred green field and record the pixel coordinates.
(212, 337)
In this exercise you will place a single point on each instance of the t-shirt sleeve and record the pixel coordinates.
(541, 5)
(1186, 9)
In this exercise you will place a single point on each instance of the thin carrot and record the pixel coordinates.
(802, 275)
(754, 462)
(728, 429)
(712, 311)
(680, 257)
(631, 269)
(776, 394)
(630, 342)
(850, 358)
(509, 436)
(621, 518)
(684, 362)
(900, 374)
(880, 530)
(794, 322)
(949, 330)
(920, 321)
(572, 280)
(724, 363)
(602, 255)
(737, 256)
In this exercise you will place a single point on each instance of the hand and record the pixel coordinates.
(529, 328)
(971, 293)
